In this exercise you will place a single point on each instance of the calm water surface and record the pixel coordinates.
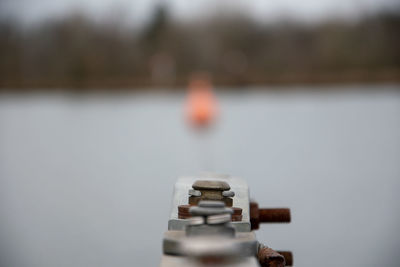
(87, 181)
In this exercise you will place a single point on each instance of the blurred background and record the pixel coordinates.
(93, 130)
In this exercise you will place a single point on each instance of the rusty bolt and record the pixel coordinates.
(254, 216)
(268, 257)
(288, 257)
(276, 215)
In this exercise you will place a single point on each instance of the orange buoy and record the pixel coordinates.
(201, 105)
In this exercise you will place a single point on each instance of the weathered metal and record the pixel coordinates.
(216, 185)
(267, 215)
(216, 219)
(275, 215)
(208, 207)
(180, 197)
(288, 257)
(183, 213)
(268, 257)
(206, 230)
(211, 190)
(210, 237)
(254, 216)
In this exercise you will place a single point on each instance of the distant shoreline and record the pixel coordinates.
(255, 80)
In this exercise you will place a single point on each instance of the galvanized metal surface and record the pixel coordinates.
(197, 220)
(219, 218)
(228, 193)
(172, 261)
(180, 224)
(216, 220)
(195, 193)
(174, 242)
(206, 208)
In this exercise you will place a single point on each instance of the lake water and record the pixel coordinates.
(87, 180)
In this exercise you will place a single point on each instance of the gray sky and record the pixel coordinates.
(138, 11)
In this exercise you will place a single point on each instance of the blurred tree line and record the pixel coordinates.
(235, 50)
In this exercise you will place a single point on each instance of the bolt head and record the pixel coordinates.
(211, 185)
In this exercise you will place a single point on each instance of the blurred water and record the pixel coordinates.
(87, 180)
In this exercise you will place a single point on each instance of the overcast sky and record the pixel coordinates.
(138, 11)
